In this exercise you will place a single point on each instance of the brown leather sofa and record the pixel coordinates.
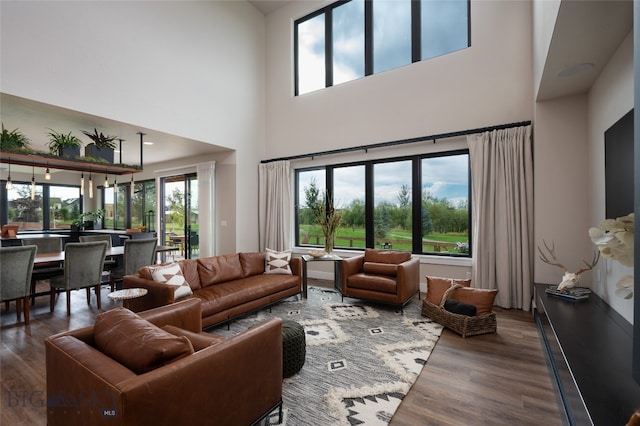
(228, 286)
(221, 381)
(385, 276)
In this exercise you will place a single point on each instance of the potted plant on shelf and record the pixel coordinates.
(64, 145)
(12, 140)
(87, 220)
(102, 146)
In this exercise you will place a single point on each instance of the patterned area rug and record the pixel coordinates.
(361, 358)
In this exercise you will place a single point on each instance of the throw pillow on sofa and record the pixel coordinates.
(135, 342)
(171, 274)
(277, 262)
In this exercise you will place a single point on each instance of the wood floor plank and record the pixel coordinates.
(497, 379)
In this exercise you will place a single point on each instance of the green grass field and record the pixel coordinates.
(397, 239)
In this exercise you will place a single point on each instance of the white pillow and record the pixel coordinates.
(277, 262)
(172, 275)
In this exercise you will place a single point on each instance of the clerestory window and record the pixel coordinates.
(351, 39)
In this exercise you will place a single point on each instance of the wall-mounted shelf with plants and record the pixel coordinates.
(14, 149)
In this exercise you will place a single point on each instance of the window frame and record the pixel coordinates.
(128, 202)
(416, 200)
(369, 49)
(46, 202)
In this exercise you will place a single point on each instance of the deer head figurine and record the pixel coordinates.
(569, 279)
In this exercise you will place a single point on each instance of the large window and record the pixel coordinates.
(64, 206)
(392, 217)
(125, 211)
(44, 207)
(351, 39)
(143, 205)
(348, 42)
(391, 34)
(418, 204)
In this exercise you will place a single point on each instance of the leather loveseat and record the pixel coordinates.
(148, 379)
(228, 286)
(385, 276)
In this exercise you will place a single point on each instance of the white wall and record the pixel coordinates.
(193, 69)
(561, 193)
(610, 98)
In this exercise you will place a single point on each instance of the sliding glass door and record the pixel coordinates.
(179, 220)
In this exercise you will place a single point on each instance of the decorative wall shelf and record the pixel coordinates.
(63, 163)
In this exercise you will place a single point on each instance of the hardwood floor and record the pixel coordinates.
(496, 379)
(492, 379)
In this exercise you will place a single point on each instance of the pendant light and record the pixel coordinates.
(82, 184)
(90, 186)
(9, 184)
(106, 181)
(33, 183)
(47, 175)
(115, 184)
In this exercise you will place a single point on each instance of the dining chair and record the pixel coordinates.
(137, 253)
(45, 244)
(83, 265)
(46, 271)
(16, 266)
(110, 262)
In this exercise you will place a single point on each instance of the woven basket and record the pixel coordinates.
(462, 324)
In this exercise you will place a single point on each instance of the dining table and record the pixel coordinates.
(115, 251)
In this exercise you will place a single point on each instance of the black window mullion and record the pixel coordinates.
(368, 206)
(368, 37)
(4, 202)
(297, 209)
(328, 47)
(416, 204)
(416, 31)
(296, 70)
(469, 25)
(328, 184)
(46, 205)
(129, 207)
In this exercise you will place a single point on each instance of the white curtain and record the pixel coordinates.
(502, 222)
(275, 205)
(206, 208)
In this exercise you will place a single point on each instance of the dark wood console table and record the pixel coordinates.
(589, 349)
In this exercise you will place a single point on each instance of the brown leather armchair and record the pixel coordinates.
(223, 382)
(385, 276)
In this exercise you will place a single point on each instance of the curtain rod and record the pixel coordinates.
(365, 148)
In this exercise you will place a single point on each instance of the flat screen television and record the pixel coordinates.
(618, 167)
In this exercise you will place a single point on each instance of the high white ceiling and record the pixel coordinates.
(586, 32)
(268, 6)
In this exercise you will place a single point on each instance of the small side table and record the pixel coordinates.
(127, 293)
(337, 269)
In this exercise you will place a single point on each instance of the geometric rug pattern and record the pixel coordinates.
(362, 358)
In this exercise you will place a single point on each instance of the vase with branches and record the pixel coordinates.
(328, 218)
